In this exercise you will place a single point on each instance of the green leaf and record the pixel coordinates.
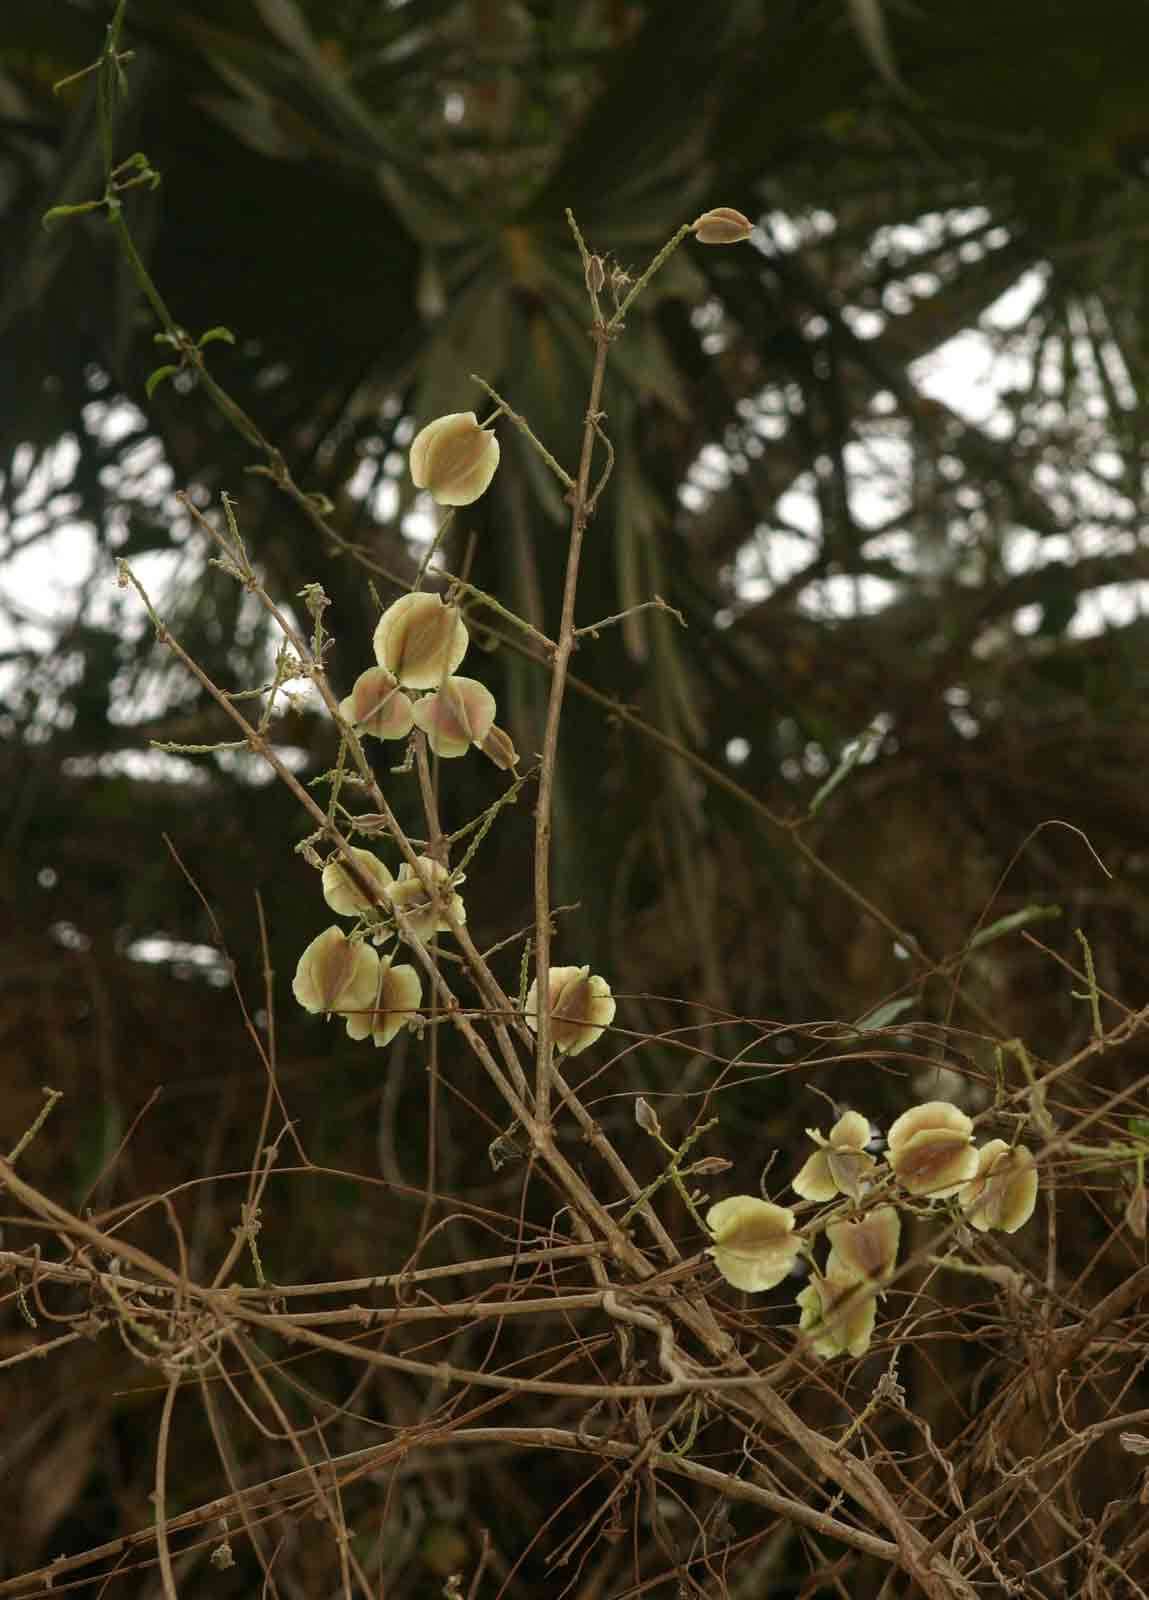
(885, 1014)
(1009, 924)
(1139, 1127)
(157, 377)
(213, 335)
(58, 213)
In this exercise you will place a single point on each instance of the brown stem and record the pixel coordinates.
(545, 804)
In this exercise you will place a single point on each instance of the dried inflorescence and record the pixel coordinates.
(454, 459)
(754, 1241)
(581, 1006)
(840, 1165)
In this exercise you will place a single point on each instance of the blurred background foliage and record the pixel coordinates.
(370, 195)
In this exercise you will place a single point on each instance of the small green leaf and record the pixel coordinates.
(884, 1015)
(58, 213)
(855, 751)
(1009, 924)
(157, 377)
(1139, 1127)
(213, 335)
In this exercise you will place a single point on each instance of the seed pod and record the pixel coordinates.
(840, 1165)
(343, 894)
(421, 914)
(398, 995)
(581, 1007)
(866, 1249)
(837, 1315)
(754, 1242)
(1003, 1191)
(454, 459)
(931, 1149)
(335, 975)
(377, 705)
(456, 716)
(420, 641)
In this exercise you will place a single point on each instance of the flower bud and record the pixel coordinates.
(420, 640)
(723, 225)
(344, 895)
(454, 459)
(398, 995)
(377, 705)
(581, 1007)
(456, 716)
(335, 975)
(1003, 1192)
(931, 1149)
(419, 913)
(754, 1242)
(595, 275)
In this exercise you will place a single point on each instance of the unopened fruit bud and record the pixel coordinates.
(723, 225)
(499, 748)
(644, 1115)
